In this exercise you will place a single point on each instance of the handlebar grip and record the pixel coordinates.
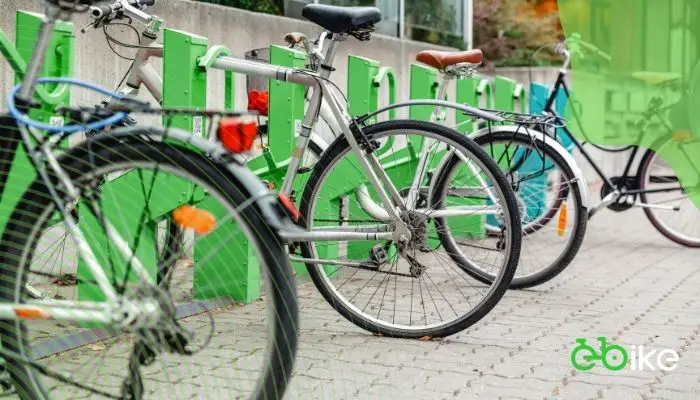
(147, 3)
(100, 10)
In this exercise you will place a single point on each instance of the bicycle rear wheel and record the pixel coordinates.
(134, 186)
(417, 290)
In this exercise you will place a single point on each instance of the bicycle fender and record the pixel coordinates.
(537, 135)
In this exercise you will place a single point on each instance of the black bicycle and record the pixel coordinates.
(654, 187)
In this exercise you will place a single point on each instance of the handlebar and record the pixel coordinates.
(132, 8)
(574, 43)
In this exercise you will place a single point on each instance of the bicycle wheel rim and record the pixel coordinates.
(340, 300)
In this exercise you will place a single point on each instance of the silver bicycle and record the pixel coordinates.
(373, 242)
(109, 328)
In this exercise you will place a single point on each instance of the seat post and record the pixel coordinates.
(442, 92)
(327, 64)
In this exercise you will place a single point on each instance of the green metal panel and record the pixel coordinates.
(466, 94)
(509, 95)
(123, 204)
(423, 86)
(231, 266)
(363, 96)
(469, 91)
(184, 83)
(286, 104)
(59, 62)
(285, 115)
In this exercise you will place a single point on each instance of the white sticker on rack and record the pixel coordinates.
(56, 121)
(197, 125)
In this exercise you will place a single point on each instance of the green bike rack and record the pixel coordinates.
(475, 92)
(19, 173)
(512, 96)
(509, 95)
(365, 78)
(286, 113)
(124, 203)
(424, 85)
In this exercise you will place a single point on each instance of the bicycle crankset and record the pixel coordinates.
(625, 201)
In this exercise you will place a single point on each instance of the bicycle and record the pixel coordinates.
(548, 183)
(655, 187)
(391, 239)
(533, 163)
(131, 326)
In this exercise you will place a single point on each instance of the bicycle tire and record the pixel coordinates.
(544, 272)
(642, 171)
(341, 147)
(33, 210)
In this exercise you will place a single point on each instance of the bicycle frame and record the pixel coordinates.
(323, 102)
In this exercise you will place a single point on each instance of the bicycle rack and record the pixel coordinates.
(473, 91)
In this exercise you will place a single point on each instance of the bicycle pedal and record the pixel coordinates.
(177, 343)
(378, 255)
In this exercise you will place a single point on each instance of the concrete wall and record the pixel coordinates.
(240, 31)
(237, 29)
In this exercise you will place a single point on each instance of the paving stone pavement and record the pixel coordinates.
(628, 283)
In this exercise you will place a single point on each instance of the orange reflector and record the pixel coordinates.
(236, 135)
(31, 313)
(200, 221)
(561, 228)
(289, 206)
(682, 135)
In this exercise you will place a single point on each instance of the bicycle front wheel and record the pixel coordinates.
(668, 205)
(551, 206)
(134, 186)
(412, 289)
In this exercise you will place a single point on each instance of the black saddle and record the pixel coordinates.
(337, 19)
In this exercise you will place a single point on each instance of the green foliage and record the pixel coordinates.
(509, 32)
(264, 6)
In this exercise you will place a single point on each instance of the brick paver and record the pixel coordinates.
(628, 283)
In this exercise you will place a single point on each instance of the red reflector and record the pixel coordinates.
(289, 206)
(31, 313)
(259, 101)
(236, 135)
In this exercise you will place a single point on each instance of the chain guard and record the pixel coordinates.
(622, 203)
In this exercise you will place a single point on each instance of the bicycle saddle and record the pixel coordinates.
(341, 19)
(656, 78)
(443, 59)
